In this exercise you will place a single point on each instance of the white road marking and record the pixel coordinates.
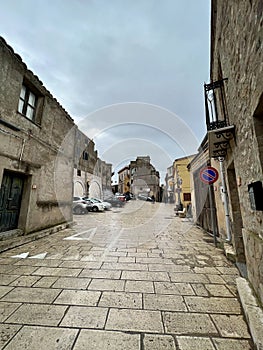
(21, 256)
(38, 256)
(83, 236)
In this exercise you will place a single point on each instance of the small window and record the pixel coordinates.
(85, 155)
(78, 172)
(187, 197)
(27, 103)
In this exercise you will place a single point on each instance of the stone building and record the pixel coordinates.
(36, 151)
(169, 195)
(124, 180)
(105, 172)
(203, 195)
(181, 180)
(92, 176)
(234, 117)
(145, 178)
(86, 181)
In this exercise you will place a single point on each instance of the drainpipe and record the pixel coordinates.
(225, 199)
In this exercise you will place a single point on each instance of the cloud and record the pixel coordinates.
(94, 54)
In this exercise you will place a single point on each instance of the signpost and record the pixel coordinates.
(208, 175)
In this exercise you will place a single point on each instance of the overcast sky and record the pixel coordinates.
(129, 72)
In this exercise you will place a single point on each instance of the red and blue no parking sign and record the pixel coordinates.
(208, 175)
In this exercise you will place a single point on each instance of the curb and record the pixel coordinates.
(20, 240)
(252, 310)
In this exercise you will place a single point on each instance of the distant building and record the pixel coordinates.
(124, 180)
(145, 178)
(86, 181)
(181, 181)
(169, 195)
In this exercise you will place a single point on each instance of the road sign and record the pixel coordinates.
(208, 175)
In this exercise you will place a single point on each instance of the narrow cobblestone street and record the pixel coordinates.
(135, 278)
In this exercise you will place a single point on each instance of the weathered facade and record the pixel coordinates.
(202, 194)
(105, 171)
(236, 89)
(124, 180)
(169, 195)
(36, 151)
(144, 177)
(182, 181)
(86, 181)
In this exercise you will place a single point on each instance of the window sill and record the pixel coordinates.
(32, 121)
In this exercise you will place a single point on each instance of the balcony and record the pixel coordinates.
(219, 131)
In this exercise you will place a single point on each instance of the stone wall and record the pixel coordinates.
(236, 54)
(39, 150)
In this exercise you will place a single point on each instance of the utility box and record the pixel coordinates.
(255, 191)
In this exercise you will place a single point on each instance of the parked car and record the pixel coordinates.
(115, 202)
(79, 206)
(90, 205)
(143, 197)
(120, 196)
(107, 205)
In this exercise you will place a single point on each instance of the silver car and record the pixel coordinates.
(79, 206)
(107, 206)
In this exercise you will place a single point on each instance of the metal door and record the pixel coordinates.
(10, 200)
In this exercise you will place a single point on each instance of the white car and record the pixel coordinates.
(107, 206)
(91, 206)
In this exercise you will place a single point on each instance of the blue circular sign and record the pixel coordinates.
(208, 175)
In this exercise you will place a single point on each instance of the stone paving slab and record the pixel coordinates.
(7, 332)
(4, 290)
(125, 266)
(188, 277)
(43, 338)
(139, 286)
(121, 300)
(57, 271)
(71, 283)
(188, 323)
(85, 317)
(6, 279)
(226, 344)
(173, 288)
(135, 320)
(145, 276)
(106, 340)
(169, 268)
(218, 290)
(45, 282)
(158, 342)
(213, 305)
(38, 262)
(82, 264)
(231, 326)
(78, 297)
(7, 309)
(110, 274)
(106, 284)
(25, 281)
(195, 343)
(36, 314)
(33, 295)
(163, 302)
